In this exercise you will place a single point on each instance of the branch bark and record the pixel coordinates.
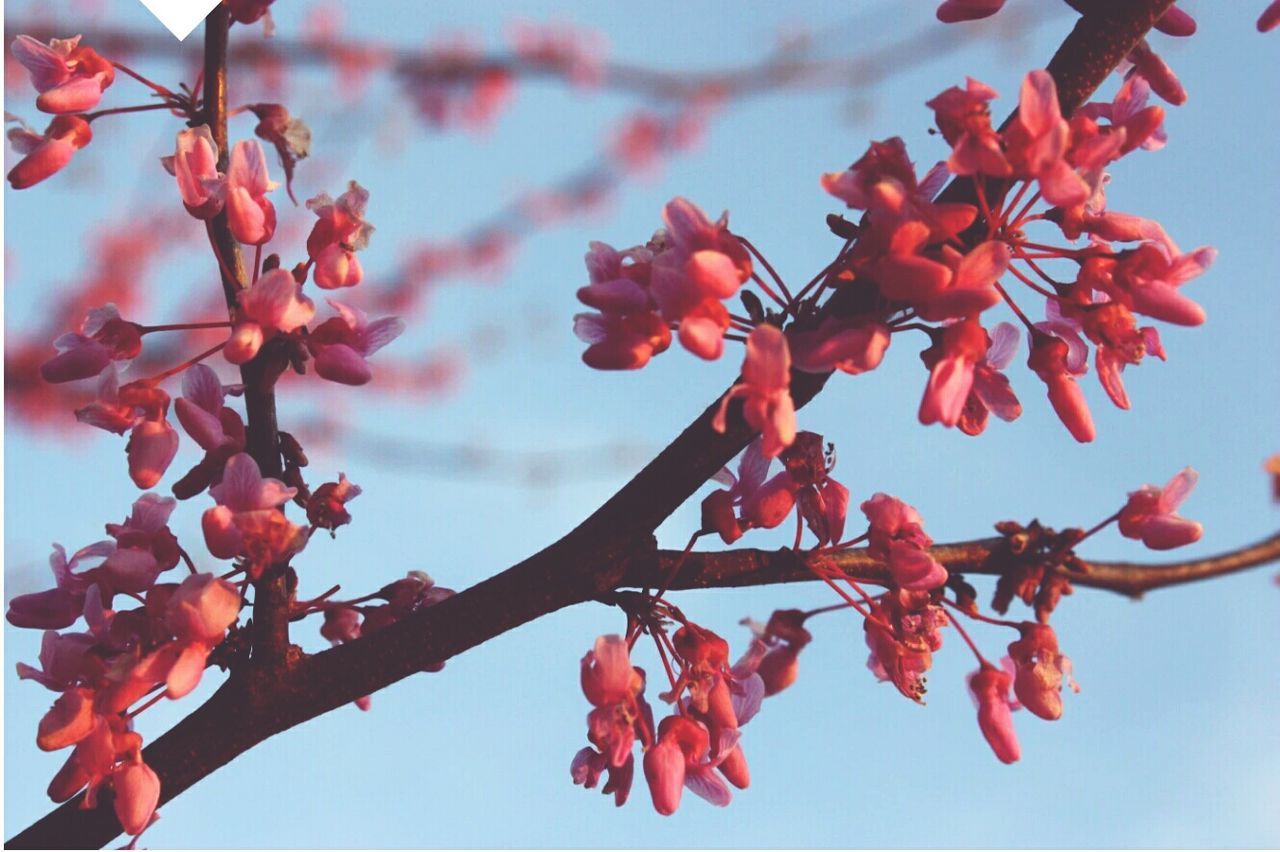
(989, 556)
(271, 595)
(597, 557)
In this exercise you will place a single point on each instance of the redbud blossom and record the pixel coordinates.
(1037, 142)
(274, 303)
(1150, 514)
(991, 391)
(48, 154)
(202, 414)
(1270, 17)
(1049, 360)
(290, 136)
(990, 688)
(137, 793)
(963, 117)
(765, 386)
(342, 344)
(195, 164)
(852, 345)
(242, 495)
(59, 607)
(327, 508)
(896, 535)
(951, 360)
(1163, 81)
(340, 232)
(251, 217)
(699, 265)
(70, 78)
(103, 338)
(1039, 670)
(954, 11)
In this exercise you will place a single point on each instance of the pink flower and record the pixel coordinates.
(1164, 82)
(246, 520)
(152, 445)
(990, 688)
(59, 607)
(902, 631)
(1037, 142)
(69, 78)
(1053, 360)
(1270, 17)
(340, 345)
(765, 386)
(202, 414)
(70, 720)
(880, 175)
(195, 164)
(621, 342)
(774, 653)
(965, 121)
(137, 793)
(47, 154)
(198, 614)
(853, 345)
(954, 11)
(1146, 279)
(971, 288)
(896, 535)
(952, 361)
(615, 687)
(290, 136)
(681, 759)
(1150, 514)
(327, 508)
(991, 391)
(251, 217)
(1175, 22)
(147, 526)
(587, 767)
(1039, 670)
(274, 303)
(700, 265)
(62, 657)
(340, 232)
(103, 338)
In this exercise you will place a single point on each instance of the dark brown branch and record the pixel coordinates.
(750, 567)
(592, 560)
(271, 597)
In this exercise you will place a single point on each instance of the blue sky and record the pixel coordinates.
(1173, 739)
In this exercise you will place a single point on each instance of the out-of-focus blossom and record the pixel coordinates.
(954, 11)
(103, 337)
(49, 153)
(70, 78)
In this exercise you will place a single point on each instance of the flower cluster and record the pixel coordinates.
(127, 653)
(697, 745)
(70, 79)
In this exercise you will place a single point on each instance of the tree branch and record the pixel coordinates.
(271, 595)
(989, 556)
(593, 559)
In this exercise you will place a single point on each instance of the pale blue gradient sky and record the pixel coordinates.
(1173, 740)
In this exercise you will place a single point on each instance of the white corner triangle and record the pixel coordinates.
(180, 17)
